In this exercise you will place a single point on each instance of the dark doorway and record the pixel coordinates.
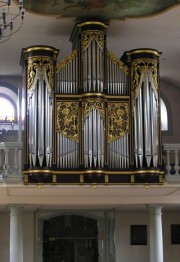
(70, 238)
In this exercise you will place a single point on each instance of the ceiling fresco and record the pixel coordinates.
(114, 9)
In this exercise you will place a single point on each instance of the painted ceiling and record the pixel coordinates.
(104, 9)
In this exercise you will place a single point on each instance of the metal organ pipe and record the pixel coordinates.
(93, 140)
(40, 137)
(67, 75)
(140, 125)
(147, 135)
(89, 75)
(154, 122)
(116, 75)
(93, 68)
(67, 152)
(119, 153)
(32, 113)
(85, 71)
(48, 124)
(135, 134)
(90, 141)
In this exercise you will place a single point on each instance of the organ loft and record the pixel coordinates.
(91, 118)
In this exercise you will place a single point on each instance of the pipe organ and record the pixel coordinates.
(92, 118)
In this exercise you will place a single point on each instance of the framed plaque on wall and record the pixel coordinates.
(175, 234)
(138, 234)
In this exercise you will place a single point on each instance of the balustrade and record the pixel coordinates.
(172, 161)
(10, 160)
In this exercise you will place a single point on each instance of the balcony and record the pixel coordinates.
(11, 162)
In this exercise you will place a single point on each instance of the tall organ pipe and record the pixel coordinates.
(147, 122)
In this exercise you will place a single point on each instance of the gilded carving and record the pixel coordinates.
(117, 61)
(118, 120)
(149, 68)
(89, 36)
(68, 119)
(67, 60)
(92, 104)
(42, 63)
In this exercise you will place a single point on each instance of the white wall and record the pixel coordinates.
(124, 251)
(171, 252)
(28, 237)
(4, 237)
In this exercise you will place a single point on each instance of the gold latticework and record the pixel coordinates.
(89, 36)
(118, 120)
(43, 63)
(149, 68)
(117, 61)
(92, 104)
(68, 119)
(67, 60)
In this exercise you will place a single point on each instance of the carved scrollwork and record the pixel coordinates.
(117, 61)
(67, 60)
(147, 67)
(89, 36)
(92, 104)
(118, 120)
(68, 119)
(42, 63)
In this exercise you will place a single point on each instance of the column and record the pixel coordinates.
(16, 234)
(155, 234)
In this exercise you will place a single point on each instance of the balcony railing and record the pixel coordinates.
(11, 161)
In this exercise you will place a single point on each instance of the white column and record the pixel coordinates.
(16, 234)
(155, 234)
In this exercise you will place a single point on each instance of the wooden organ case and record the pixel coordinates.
(92, 118)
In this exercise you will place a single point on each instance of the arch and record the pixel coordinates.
(10, 93)
(9, 86)
(4, 113)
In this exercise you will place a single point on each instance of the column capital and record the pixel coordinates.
(16, 210)
(155, 209)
